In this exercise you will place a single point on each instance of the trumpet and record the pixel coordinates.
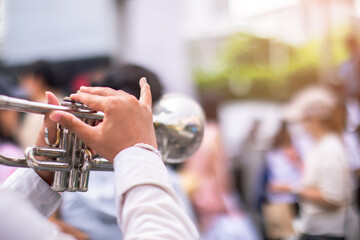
(179, 128)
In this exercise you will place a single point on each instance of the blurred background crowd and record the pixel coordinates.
(279, 81)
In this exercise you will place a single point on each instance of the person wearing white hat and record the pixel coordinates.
(325, 189)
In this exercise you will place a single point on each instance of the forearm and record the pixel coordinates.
(19, 220)
(147, 205)
(27, 182)
(313, 194)
(150, 212)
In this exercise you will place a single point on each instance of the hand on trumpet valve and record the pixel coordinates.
(127, 120)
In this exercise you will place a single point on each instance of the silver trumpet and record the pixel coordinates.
(179, 127)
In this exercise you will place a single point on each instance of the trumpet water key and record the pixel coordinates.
(179, 127)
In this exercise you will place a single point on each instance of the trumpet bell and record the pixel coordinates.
(179, 127)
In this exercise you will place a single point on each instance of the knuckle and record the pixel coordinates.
(132, 100)
(107, 89)
(113, 102)
(91, 90)
(147, 109)
(81, 97)
(146, 89)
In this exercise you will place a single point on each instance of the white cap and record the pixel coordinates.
(314, 101)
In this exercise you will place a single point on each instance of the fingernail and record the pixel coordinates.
(82, 87)
(55, 117)
(143, 81)
(47, 93)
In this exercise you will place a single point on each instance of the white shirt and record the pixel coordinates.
(93, 211)
(326, 167)
(147, 206)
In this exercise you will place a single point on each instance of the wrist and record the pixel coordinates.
(149, 148)
(143, 146)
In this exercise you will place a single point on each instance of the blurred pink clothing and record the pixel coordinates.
(10, 150)
(206, 179)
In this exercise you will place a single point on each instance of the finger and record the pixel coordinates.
(101, 91)
(75, 125)
(145, 93)
(48, 123)
(51, 98)
(95, 102)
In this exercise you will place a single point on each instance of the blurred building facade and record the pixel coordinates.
(57, 30)
(158, 34)
(136, 31)
(208, 23)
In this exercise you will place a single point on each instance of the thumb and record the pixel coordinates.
(145, 92)
(51, 98)
(74, 124)
(50, 125)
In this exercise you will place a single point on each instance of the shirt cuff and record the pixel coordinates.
(136, 166)
(31, 186)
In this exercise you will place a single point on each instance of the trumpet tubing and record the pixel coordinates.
(178, 122)
(78, 109)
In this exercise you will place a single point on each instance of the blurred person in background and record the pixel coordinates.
(325, 189)
(350, 70)
(349, 76)
(283, 166)
(353, 150)
(126, 78)
(350, 139)
(9, 126)
(208, 182)
(248, 161)
(249, 168)
(36, 79)
(357, 134)
(92, 77)
(91, 215)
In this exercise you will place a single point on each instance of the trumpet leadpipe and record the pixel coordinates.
(21, 105)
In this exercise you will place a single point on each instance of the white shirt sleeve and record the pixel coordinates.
(148, 207)
(27, 182)
(24, 201)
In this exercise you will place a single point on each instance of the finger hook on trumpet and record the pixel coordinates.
(47, 141)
